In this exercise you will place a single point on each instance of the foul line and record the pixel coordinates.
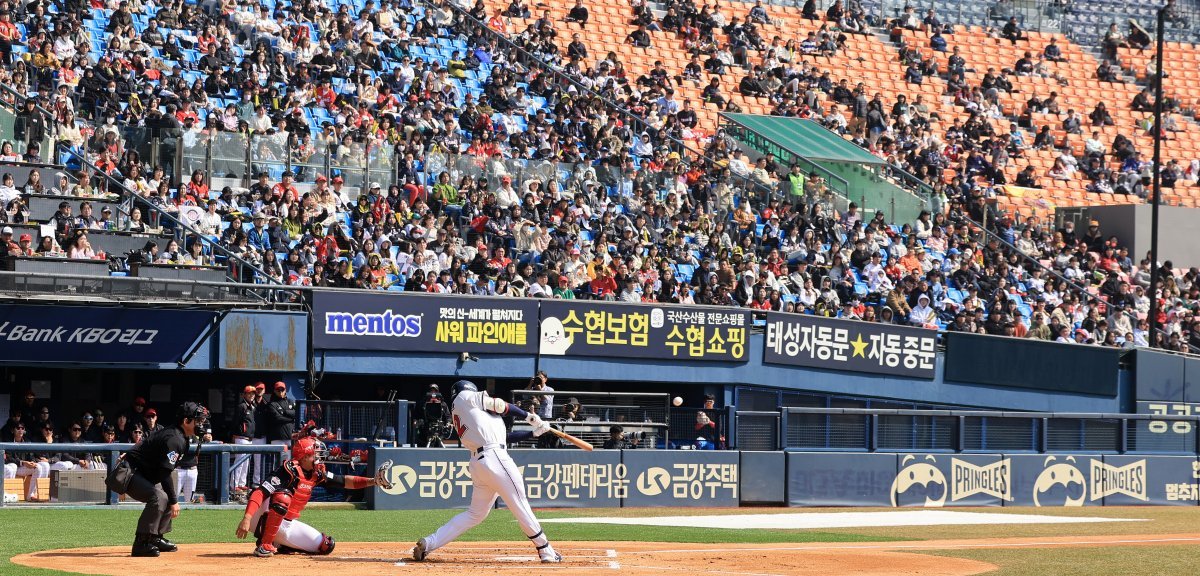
(694, 570)
(921, 546)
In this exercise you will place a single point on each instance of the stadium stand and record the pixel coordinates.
(444, 148)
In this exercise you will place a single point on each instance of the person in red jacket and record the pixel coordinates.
(274, 508)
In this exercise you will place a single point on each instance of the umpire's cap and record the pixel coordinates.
(460, 387)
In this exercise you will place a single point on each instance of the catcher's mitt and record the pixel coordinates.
(381, 475)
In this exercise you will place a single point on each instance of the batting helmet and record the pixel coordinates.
(309, 446)
(460, 387)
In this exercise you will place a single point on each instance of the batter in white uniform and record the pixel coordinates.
(477, 418)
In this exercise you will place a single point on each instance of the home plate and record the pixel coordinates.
(810, 520)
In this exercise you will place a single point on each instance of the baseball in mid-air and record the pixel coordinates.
(677, 401)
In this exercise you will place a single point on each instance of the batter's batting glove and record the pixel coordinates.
(381, 475)
(541, 428)
(533, 420)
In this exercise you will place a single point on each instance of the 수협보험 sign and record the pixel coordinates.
(572, 328)
(419, 323)
(817, 342)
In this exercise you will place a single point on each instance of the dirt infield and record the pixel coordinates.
(583, 558)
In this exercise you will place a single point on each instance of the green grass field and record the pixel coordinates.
(26, 529)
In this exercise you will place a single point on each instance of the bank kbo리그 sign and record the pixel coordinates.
(423, 323)
(95, 334)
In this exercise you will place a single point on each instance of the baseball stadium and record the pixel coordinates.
(634, 287)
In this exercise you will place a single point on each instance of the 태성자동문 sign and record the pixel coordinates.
(421, 323)
(94, 334)
(643, 331)
(818, 342)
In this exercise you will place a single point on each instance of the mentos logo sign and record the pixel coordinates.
(385, 324)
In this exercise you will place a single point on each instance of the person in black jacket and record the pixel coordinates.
(279, 416)
(244, 417)
(152, 462)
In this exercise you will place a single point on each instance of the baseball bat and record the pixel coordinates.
(581, 444)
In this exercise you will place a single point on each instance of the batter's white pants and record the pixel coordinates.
(241, 465)
(258, 473)
(493, 474)
(186, 483)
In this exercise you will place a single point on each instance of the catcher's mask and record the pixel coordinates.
(310, 446)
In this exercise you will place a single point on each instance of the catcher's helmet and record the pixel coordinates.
(309, 446)
(460, 387)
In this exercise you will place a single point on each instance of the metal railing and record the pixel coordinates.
(240, 156)
(120, 288)
(213, 463)
(132, 200)
(863, 430)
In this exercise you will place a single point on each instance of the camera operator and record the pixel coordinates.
(434, 426)
(617, 441)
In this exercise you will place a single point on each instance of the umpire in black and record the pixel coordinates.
(152, 462)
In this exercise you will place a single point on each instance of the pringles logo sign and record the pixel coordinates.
(993, 479)
(1128, 480)
(1104, 479)
(966, 479)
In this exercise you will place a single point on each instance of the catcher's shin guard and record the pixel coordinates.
(275, 515)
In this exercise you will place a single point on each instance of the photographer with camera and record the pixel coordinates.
(617, 441)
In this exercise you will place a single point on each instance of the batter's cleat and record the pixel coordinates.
(420, 550)
(163, 544)
(550, 556)
(264, 550)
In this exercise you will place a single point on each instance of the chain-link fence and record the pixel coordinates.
(354, 420)
(757, 430)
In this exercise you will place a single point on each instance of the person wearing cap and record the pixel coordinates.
(150, 424)
(152, 462)
(279, 415)
(245, 416)
(258, 237)
(11, 248)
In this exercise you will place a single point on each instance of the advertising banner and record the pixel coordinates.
(840, 479)
(682, 478)
(1145, 480)
(572, 478)
(423, 323)
(425, 479)
(832, 344)
(1054, 480)
(592, 328)
(94, 334)
(937, 480)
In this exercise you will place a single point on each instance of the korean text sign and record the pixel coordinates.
(419, 323)
(99, 334)
(816, 342)
(638, 331)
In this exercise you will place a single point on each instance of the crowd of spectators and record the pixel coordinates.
(32, 422)
(638, 222)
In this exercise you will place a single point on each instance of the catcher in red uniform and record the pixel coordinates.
(274, 507)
